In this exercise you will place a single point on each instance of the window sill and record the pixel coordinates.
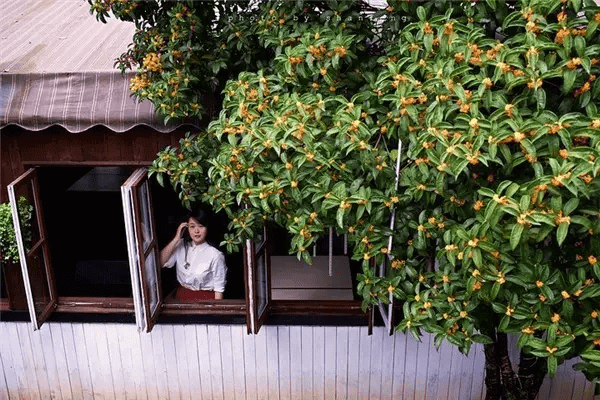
(317, 308)
(203, 307)
(95, 305)
(121, 305)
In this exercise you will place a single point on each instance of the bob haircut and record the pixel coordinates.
(199, 215)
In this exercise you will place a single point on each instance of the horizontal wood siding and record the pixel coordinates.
(113, 361)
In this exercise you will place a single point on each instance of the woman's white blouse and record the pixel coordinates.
(207, 269)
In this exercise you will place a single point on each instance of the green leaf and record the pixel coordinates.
(592, 291)
(306, 257)
(504, 323)
(540, 95)
(580, 45)
(592, 355)
(517, 280)
(339, 217)
(495, 290)
(552, 365)
(571, 205)
(547, 292)
(556, 201)
(561, 232)
(483, 339)
(490, 209)
(428, 42)
(421, 13)
(477, 257)
(591, 28)
(512, 189)
(551, 334)
(569, 80)
(524, 203)
(585, 98)
(515, 235)
(523, 341)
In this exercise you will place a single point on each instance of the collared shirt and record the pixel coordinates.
(206, 271)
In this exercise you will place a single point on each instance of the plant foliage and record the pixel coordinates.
(488, 108)
(8, 242)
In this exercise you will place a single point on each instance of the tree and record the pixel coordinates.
(487, 112)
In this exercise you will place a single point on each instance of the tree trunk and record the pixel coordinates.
(532, 371)
(510, 381)
(501, 380)
(493, 382)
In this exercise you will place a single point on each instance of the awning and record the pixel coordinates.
(57, 67)
(74, 100)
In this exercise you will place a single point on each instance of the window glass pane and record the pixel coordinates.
(39, 279)
(144, 205)
(262, 287)
(27, 214)
(151, 280)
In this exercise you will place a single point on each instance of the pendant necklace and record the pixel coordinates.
(186, 265)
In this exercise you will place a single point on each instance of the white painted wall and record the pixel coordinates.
(112, 361)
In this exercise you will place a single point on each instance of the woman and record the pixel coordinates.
(201, 268)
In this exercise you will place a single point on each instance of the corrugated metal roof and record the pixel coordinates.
(57, 67)
(58, 36)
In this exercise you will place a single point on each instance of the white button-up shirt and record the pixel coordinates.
(206, 271)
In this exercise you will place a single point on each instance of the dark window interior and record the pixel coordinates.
(3, 293)
(86, 231)
(83, 212)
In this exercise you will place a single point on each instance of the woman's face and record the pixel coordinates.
(197, 231)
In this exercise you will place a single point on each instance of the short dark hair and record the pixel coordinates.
(199, 215)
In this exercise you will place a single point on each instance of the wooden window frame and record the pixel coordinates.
(256, 317)
(340, 309)
(134, 198)
(125, 305)
(172, 308)
(45, 278)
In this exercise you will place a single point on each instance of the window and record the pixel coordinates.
(257, 271)
(93, 246)
(143, 250)
(33, 249)
(312, 294)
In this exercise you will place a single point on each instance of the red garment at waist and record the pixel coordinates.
(187, 294)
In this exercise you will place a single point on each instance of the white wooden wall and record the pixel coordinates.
(112, 361)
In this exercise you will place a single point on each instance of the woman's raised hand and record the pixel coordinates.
(180, 229)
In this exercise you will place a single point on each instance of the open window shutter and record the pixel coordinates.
(34, 254)
(258, 282)
(142, 247)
